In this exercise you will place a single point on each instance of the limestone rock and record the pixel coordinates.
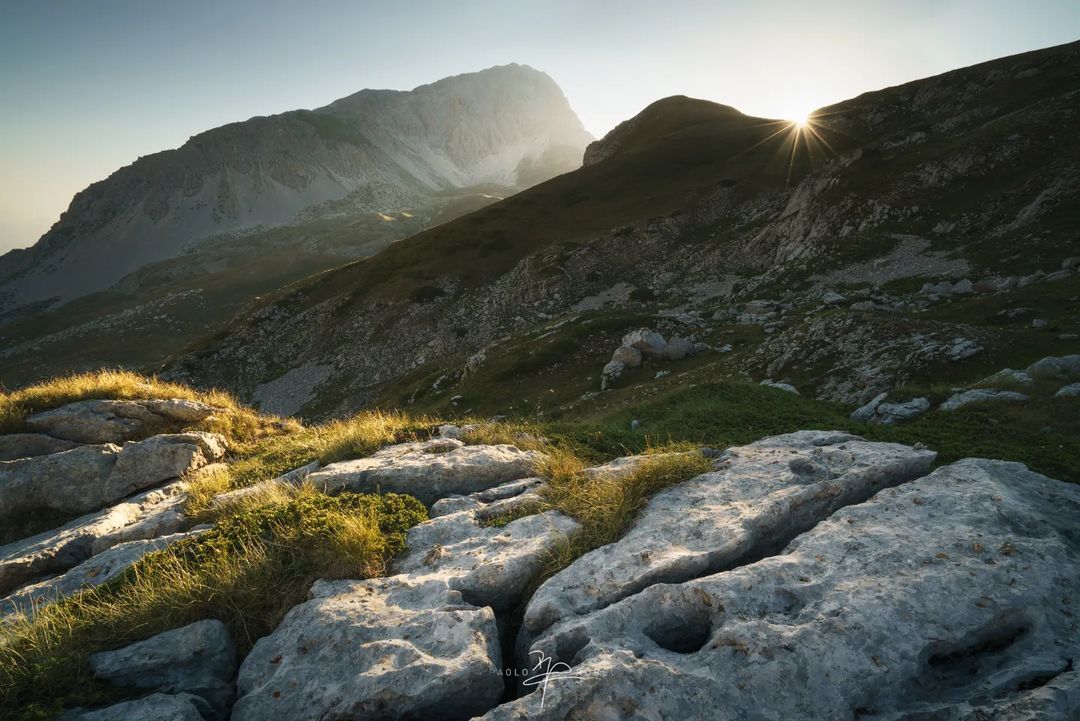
(429, 470)
(513, 489)
(198, 659)
(779, 386)
(92, 572)
(292, 478)
(116, 421)
(649, 342)
(1070, 391)
(678, 348)
(155, 707)
(980, 395)
(765, 494)
(944, 598)
(1062, 368)
(489, 566)
(87, 478)
(27, 445)
(877, 411)
(381, 648)
(147, 515)
(629, 357)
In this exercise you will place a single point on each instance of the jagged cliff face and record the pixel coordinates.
(509, 126)
(704, 222)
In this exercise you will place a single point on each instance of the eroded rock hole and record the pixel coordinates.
(681, 627)
(954, 667)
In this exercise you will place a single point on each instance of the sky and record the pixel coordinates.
(88, 86)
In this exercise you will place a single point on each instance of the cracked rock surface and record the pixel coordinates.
(761, 496)
(948, 597)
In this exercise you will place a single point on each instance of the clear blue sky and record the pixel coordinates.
(87, 86)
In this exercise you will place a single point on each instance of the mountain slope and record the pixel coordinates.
(462, 131)
(702, 222)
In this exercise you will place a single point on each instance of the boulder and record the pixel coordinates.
(1071, 263)
(155, 707)
(147, 515)
(429, 470)
(649, 342)
(762, 496)
(92, 572)
(779, 386)
(115, 421)
(87, 478)
(377, 649)
(27, 445)
(963, 287)
(1070, 391)
(947, 597)
(981, 395)
(198, 659)
(1059, 368)
(629, 357)
(877, 411)
(678, 348)
(611, 373)
(831, 297)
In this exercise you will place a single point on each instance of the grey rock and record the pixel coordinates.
(513, 489)
(981, 395)
(868, 412)
(864, 305)
(629, 357)
(961, 348)
(1058, 275)
(943, 598)
(1059, 368)
(429, 470)
(115, 421)
(27, 445)
(155, 707)
(649, 342)
(962, 287)
(611, 373)
(87, 478)
(1070, 391)
(199, 659)
(764, 495)
(92, 572)
(678, 348)
(295, 477)
(147, 515)
(1027, 280)
(1038, 323)
(1008, 377)
(489, 566)
(831, 297)
(995, 284)
(381, 648)
(889, 413)
(1071, 263)
(779, 386)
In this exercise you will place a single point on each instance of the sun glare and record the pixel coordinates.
(801, 119)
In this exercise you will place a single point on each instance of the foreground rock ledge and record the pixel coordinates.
(949, 597)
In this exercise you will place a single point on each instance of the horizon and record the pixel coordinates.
(77, 108)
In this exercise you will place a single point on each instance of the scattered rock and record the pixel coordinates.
(429, 470)
(1008, 377)
(780, 386)
(831, 297)
(627, 356)
(1059, 368)
(962, 287)
(941, 598)
(381, 648)
(981, 395)
(198, 659)
(678, 348)
(764, 495)
(649, 342)
(28, 445)
(877, 411)
(611, 373)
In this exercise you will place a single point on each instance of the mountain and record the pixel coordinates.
(910, 239)
(250, 206)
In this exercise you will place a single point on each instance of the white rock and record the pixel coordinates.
(1007, 377)
(981, 395)
(116, 421)
(1069, 391)
(156, 707)
(429, 470)
(382, 648)
(649, 342)
(629, 357)
(779, 386)
(678, 348)
(765, 494)
(944, 598)
(199, 659)
(1064, 368)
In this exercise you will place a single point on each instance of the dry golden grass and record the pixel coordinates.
(237, 422)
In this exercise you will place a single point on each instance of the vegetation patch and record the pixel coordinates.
(247, 571)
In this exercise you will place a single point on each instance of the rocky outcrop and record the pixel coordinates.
(155, 707)
(113, 421)
(981, 395)
(26, 445)
(197, 659)
(762, 496)
(945, 597)
(383, 648)
(88, 477)
(429, 470)
(878, 411)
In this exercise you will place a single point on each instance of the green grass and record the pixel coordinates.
(247, 571)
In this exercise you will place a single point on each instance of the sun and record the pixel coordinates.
(801, 119)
